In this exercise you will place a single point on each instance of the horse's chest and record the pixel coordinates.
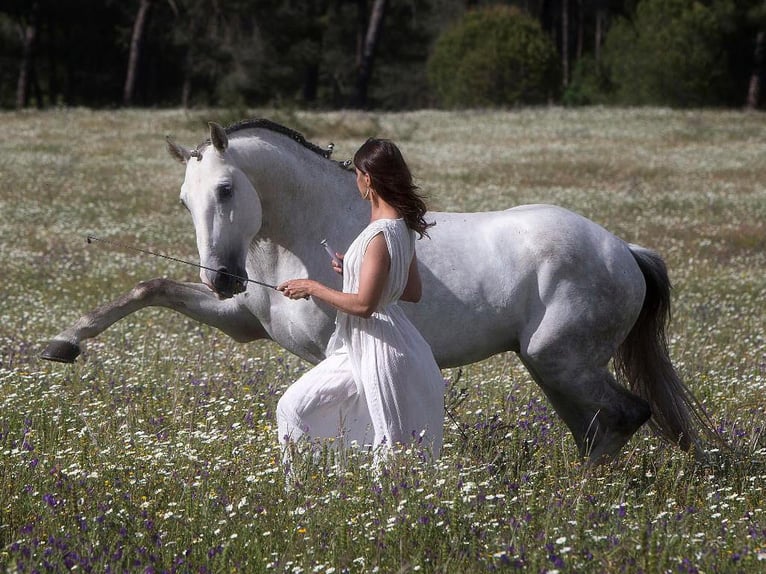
(301, 327)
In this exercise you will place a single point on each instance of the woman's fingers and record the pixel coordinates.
(294, 289)
(337, 263)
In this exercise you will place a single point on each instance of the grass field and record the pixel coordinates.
(157, 451)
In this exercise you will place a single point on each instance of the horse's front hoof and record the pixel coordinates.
(61, 352)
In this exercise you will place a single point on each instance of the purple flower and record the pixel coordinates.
(555, 559)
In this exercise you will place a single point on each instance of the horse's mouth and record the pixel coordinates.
(212, 289)
(222, 294)
(225, 283)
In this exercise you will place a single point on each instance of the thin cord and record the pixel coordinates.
(91, 238)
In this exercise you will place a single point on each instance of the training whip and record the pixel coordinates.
(92, 238)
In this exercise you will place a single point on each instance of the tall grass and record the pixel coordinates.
(157, 451)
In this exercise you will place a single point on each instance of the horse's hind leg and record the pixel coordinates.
(192, 299)
(601, 414)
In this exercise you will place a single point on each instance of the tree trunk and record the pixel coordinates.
(754, 89)
(188, 63)
(135, 51)
(315, 32)
(364, 73)
(55, 97)
(28, 34)
(361, 29)
(310, 82)
(565, 42)
(599, 34)
(580, 29)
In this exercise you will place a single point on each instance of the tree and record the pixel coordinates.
(136, 43)
(758, 15)
(136, 40)
(368, 46)
(754, 87)
(28, 29)
(673, 52)
(496, 56)
(565, 42)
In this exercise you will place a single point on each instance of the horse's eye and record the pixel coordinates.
(225, 191)
(182, 202)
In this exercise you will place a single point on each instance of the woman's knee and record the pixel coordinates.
(287, 409)
(290, 417)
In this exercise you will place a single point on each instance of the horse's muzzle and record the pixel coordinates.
(228, 283)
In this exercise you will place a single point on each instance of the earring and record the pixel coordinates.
(367, 192)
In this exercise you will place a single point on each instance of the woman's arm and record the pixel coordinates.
(372, 280)
(413, 291)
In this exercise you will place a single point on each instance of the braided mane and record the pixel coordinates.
(278, 128)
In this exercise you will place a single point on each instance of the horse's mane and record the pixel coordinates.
(294, 135)
(280, 129)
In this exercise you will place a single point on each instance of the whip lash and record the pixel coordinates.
(91, 238)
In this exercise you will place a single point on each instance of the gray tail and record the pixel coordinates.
(643, 362)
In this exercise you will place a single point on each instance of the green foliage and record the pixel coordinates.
(241, 53)
(9, 57)
(496, 56)
(673, 52)
(590, 83)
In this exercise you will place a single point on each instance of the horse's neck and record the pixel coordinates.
(305, 198)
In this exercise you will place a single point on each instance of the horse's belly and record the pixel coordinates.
(459, 338)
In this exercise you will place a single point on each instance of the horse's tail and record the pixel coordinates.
(643, 362)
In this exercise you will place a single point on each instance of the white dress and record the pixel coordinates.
(379, 384)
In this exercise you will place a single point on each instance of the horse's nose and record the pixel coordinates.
(227, 283)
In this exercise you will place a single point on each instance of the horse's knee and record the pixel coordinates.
(146, 290)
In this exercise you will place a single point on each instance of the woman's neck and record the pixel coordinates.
(379, 209)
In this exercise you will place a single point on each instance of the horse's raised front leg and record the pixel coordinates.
(192, 299)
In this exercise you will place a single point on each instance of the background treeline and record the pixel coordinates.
(392, 54)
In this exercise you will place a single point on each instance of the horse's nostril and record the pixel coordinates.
(228, 282)
(223, 280)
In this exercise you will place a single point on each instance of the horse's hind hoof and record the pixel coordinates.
(61, 352)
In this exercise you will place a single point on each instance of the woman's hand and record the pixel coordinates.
(297, 288)
(372, 280)
(337, 263)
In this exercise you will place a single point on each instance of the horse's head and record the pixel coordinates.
(225, 209)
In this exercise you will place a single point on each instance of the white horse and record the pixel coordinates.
(554, 287)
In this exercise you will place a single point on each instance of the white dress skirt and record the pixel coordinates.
(379, 385)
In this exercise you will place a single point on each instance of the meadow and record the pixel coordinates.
(157, 450)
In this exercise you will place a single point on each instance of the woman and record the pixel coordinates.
(379, 384)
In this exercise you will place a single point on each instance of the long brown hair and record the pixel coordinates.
(391, 179)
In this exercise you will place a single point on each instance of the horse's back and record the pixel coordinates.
(493, 277)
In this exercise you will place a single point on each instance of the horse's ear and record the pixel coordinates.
(178, 152)
(218, 137)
